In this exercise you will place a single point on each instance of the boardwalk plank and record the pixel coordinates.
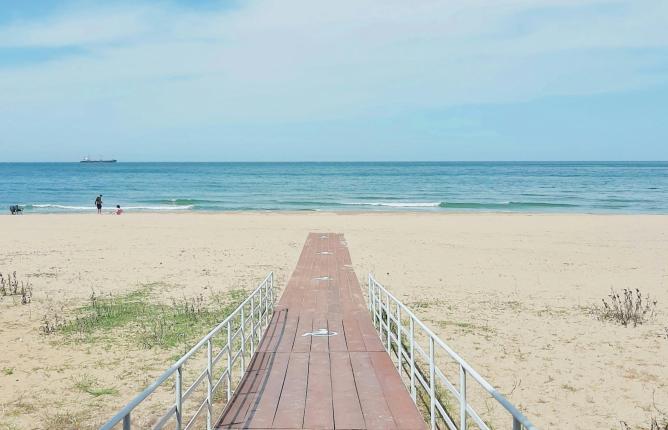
(273, 332)
(347, 408)
(289, 331)
(290, 412)
(319, 413)
(377, 414)
(320, 343)
(394, 392)
(305, 325)
(261, 415)
(338, 342)
(354, 339)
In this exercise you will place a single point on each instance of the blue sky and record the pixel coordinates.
(285, 80)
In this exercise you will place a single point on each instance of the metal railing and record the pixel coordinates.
(233, 340)
(401, 333)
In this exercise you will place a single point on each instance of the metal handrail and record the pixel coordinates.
(392, 329)
(261, 302)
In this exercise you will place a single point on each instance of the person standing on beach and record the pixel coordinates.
(98, 203)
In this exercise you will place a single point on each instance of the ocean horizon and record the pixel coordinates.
(503, 186)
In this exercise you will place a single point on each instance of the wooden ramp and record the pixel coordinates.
(343, 380)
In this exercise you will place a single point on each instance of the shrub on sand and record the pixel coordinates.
(630, 307)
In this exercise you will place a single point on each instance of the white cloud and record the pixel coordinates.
(277, 60)
(79, 28)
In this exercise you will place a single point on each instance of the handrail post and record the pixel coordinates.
(379, 309)
(252, 351)
(399, 348)
(229, 360)
(271, 290)
(209, 392)
(179, 394)
(516, 424)
(369, 290)
(265, 302)
(126, 422)
(387, 313)
(264, 293)
(462, 398)
(243, 340)
(432, 384)
(374, 310)
(412, 340)
(268, 298)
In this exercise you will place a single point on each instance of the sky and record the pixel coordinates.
(351, 80)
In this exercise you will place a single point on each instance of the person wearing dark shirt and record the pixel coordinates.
(98, 204)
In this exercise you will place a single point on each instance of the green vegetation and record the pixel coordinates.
(18, 406)
(65, 420)
(8, 370)
(570, 388)
(134, 316)
(468, 328)
(88, 385)
(427, 304)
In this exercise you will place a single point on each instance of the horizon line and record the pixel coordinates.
(340, 161)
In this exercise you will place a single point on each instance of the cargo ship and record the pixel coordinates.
(88, 160)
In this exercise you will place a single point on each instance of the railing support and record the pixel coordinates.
(179, 394)
(369, 292)
(243, 341)
(374, 307)
(462, 398)
(229, 360)
(126, 422)
(399, 346)
(387, 314)
(379, 308)
(209, 388)
(412, 340)
(432, 384)
(264, 298)
(252, 351)
(271, 294)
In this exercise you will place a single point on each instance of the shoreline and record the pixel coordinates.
(330, 212)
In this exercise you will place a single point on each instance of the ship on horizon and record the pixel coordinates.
(89, 160)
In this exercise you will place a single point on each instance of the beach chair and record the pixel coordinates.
(15, 210)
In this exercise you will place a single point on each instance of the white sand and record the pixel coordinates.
(509, 292)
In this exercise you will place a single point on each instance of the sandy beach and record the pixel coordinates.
(512, 293)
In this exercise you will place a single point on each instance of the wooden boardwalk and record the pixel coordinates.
(342, 381)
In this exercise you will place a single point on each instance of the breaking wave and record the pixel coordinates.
(66, 208)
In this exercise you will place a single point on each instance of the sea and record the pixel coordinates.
(533, 187)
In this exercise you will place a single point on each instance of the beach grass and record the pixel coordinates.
(139, 317)
(90, 385)
(66, 420)
(11, 286)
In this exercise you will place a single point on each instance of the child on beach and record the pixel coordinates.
(119, 211)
